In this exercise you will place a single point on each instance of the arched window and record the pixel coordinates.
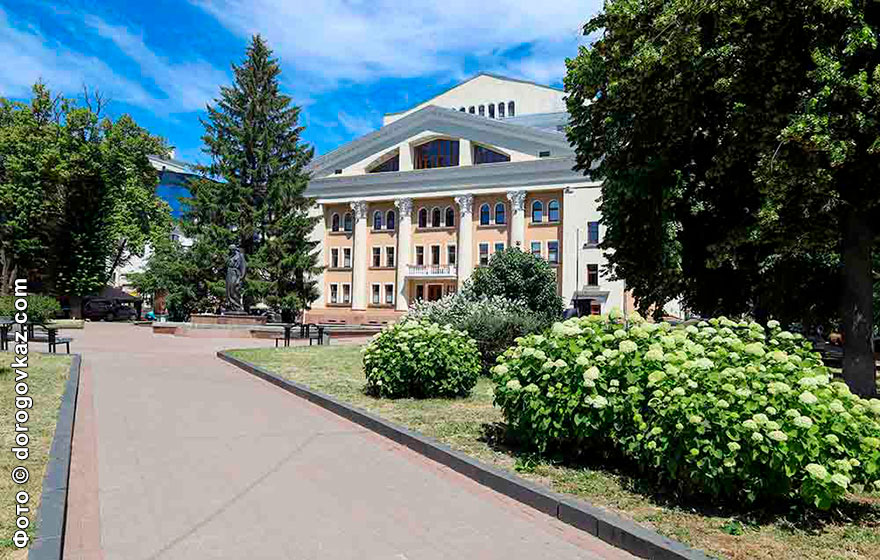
(491, 111)
(471, 110)
(511, 112)
(436, 153)
(450, 217)
(537, 212)
(501, 110)
(553, 211)
(484, 215)
(436, 218)
(500, 217)
(482, 110)
(423, 218)
(346, 222)
(334, 222)
(390, 219)
(377, 220)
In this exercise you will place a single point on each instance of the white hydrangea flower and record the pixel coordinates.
(760, 418)
(722, 403)
(501, 369)
(627, 346)
(803, 422)
(750, 424)
(600, 402)
(777, 435)
(592, 373)
(733, 446)
(773, 323)
(771, 425)
(816, 471)
(840, 480)
(677, 392)
(755, 349)
(695, 418)
(514, 385)
(808, 398)
(756, 436)
(832, 439)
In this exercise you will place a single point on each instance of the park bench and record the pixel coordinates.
(49, 336)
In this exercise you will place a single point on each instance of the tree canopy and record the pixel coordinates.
(738, 145)
(77, 192)
(252, 193)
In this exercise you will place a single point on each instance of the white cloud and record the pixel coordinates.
(29, 56)
(333, 41)
(359, 125)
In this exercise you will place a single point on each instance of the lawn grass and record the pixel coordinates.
(474, 426)
(47, 376)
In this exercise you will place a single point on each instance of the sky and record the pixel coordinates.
(346, 63)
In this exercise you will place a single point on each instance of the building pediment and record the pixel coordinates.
(436, 121)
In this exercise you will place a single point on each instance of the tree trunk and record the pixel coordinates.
(116, 261)
(858, 355)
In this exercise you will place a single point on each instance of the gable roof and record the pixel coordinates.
(443, 121)
(472, 78)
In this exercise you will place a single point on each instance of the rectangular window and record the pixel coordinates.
(389, 294)
(450, 255)
(553, 251)
(377, 257)
(334, 293)
(389, 257)
(334, 257)
(435, 255)
(592, 275)
(376, 295)
(420, 255)
(499, 247)
(484, 254)
(592, 233)
(346, 257)
(420, 291)
(536, 248)
(346, 293)
(450, 289)
(436, 153)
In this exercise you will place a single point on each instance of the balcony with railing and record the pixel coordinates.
(432, 271)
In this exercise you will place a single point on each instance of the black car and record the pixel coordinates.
(102, 309)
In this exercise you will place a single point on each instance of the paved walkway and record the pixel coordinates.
(179, 455)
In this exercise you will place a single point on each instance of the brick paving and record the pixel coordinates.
(179, 455)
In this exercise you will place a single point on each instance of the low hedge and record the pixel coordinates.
(41, 309)
(723, 409)
(421, 360)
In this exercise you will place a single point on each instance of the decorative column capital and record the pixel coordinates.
(517, 200)
(404, 206)
(360, 209)
(465, 204)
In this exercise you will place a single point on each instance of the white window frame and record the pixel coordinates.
(334, 263)
(346, 257)
(496, 244)
(548, 242)
(393, 294)
(374, 254)
(348, 285)
(540, 248)
(376, 293)
(392, 262)
(334, 300)
(439, 254)
(416, 255)
(558, 211)
(598, 274)
(338, 222)
(480, 253)
(453, 246)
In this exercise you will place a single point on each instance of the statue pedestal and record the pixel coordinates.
(228, 318)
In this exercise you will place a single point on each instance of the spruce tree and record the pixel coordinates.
(252, 193)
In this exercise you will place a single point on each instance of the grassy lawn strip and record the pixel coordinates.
(473, 426)
(47, 376)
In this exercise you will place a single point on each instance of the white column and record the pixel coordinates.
(517, 218)
(359, 257)
(465, 235)
(465, 152)
(404, 247)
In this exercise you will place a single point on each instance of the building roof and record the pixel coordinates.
(474, 77)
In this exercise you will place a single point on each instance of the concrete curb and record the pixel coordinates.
(610, 528)
(49, 542)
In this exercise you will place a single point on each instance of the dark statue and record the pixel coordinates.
(235, 271)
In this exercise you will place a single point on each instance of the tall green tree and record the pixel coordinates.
(77, 192)
(252, 193)
(737, 141)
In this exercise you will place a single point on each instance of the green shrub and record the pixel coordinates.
(494, 322)
(41, 309)
(518, 276)
(421, 360)
(723, 409)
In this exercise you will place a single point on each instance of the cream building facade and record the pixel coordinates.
(410, 210)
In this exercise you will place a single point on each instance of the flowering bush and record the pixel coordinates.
(421, 359)
(493, 322)
(726, 409)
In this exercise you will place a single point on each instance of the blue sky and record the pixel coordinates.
(346, 63)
